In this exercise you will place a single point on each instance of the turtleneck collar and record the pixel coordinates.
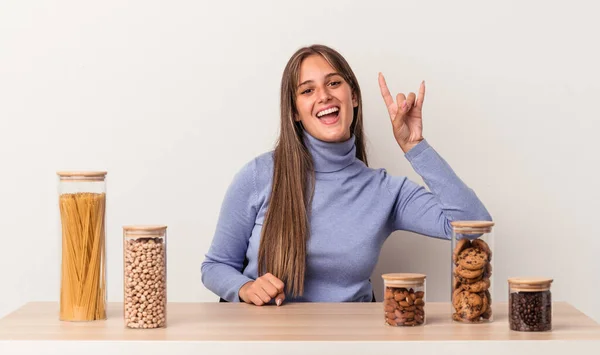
(330, 157)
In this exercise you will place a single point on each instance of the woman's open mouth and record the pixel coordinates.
(329, 116)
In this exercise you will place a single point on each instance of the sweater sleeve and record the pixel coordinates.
(222, 267)
(430, 212)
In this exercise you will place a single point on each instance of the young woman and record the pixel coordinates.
(306, 222)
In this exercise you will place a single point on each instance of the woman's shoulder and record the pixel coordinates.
(255, 176)
(258, 169)
(260, 165)
(265, 161)
(383, 177)
(378, 173)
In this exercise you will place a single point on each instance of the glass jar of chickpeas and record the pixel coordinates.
(145, 276)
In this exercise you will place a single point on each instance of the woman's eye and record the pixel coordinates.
(306, 91)
(335, 83)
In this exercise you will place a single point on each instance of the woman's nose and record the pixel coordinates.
(324, 95)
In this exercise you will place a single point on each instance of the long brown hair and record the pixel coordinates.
(285, 233)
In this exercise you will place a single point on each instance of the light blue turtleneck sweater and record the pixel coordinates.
(354, 210)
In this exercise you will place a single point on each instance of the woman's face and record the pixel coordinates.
(324, 101)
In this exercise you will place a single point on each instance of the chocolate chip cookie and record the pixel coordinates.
(471, 305)
(487, 313)
(466, 281)
(483, 246)
(472, 259)
(487, 273)
(479, 286)
(461, 245)
(457, 297)
(468, 274)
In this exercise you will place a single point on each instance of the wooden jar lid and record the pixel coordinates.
(404, 279)
(472, 224)
(137, 231)
(472, 227)
(145, 228)
(529, 284)
(81, 175)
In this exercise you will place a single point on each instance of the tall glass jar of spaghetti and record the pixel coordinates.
(82, 206)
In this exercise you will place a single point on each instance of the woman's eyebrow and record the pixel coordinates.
(310, 81)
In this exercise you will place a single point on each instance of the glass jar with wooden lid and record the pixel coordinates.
(145, 276)
(471, 275)
(529, 304)
(82, 206)
(404, 299)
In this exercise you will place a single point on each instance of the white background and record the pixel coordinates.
(173, 97)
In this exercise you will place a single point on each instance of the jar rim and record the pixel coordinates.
(472, 224)
(404, 277)
(530, 283)
(529, 280)
(145, 228)
(81, 175)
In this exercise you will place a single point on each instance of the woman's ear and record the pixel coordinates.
(354, 100)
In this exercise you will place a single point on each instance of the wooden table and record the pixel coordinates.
(308, 328)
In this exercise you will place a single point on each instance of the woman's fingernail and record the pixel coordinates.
(278, 302)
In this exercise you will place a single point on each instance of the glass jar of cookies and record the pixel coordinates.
(404, 299)
(529, 304)
(472, 265)
(145, 276)
(82, 207)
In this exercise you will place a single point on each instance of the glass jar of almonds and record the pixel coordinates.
(404, 299)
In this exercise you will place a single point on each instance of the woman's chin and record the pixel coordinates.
(334, 135)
